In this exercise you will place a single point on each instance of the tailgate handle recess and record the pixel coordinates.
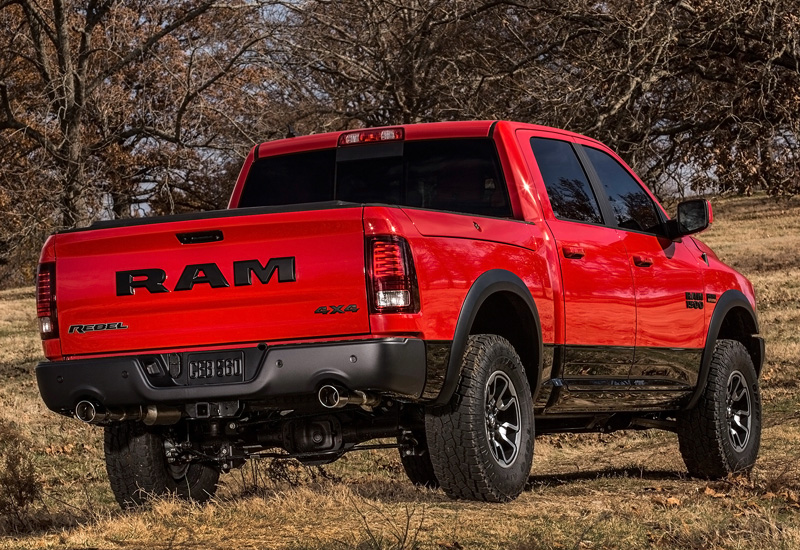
(200, 237)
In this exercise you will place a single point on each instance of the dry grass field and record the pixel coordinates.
(627, 490)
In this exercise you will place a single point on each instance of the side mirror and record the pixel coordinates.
(693, 216)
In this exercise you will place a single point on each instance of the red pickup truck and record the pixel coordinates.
(439, 287)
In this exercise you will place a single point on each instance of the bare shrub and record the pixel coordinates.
(259, 475)
(19, 485)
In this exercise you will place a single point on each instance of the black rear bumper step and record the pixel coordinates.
(391, 366)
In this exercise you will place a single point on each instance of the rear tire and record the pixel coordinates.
(138, 470)
(722, 433)
(481, 444)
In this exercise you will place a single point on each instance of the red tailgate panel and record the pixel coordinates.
(328, 251)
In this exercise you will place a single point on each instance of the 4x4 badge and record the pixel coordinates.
(324, 310)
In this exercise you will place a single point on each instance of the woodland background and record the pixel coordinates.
(114, 109)
(133, 108)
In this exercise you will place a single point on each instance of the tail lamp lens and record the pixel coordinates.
(394, 284)
(46, 300)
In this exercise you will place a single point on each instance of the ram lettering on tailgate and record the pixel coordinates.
(152, 280)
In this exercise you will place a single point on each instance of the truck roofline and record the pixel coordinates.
(412, 132)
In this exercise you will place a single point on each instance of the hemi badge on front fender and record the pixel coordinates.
(83, 329)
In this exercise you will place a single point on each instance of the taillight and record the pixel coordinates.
(46, 300)
(392, 276)
(371, 136)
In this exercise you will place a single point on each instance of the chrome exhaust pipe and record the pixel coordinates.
(92, 413)
(333, 397)
(151, 415)
(86, 411)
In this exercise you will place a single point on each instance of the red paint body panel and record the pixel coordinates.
(718, 277)
(328, 248)
(598, 293)
(663, 320)
(599, 297)
(449, 254)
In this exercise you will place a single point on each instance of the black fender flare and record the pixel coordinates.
(729, 300)
(489, 283)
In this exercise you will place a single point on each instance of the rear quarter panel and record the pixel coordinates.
(450, 252)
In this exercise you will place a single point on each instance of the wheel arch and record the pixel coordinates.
(498, 302)
(733, 319)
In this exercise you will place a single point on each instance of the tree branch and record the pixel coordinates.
(10, 122)
(148, 44)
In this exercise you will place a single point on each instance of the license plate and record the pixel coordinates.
(216, 368)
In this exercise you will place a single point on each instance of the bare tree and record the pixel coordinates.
(699, 96)
(106, 104)
(135, 107)
(371, 62)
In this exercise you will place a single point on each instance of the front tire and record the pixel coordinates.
(722, 433)
(481, 444)
(138, 470)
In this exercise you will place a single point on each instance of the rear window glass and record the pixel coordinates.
(459, 175)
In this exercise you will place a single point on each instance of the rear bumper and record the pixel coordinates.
(394, 367)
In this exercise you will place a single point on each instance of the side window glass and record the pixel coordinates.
(570, 194)
(461, 175)
(632, 206)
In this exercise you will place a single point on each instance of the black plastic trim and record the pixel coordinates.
(618, 379)
(599, 355)
(597, 186)
(437, 358)
(200, 237)
(491, 282)
(593, 367)
(391, 366)
(550, 354)
(729, 300)
(667, 367)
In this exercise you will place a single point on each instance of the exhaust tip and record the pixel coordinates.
(86, 411)
(331, 397)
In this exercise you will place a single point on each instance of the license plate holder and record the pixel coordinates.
(224, 367)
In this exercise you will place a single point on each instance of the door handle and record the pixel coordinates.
(642, 261)
(573, 252)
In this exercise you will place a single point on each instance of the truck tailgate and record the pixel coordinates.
(140, 287)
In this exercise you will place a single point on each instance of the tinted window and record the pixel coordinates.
(290, 179)
(570, 194)
(632, 206)
(460, 175)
